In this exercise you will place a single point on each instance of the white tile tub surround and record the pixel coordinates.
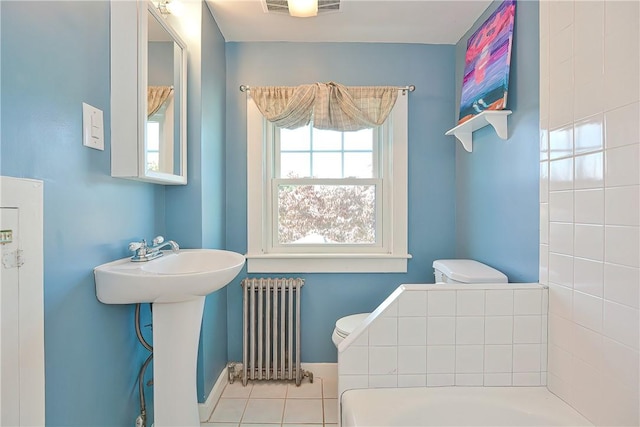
(590, 156)
(445, 335)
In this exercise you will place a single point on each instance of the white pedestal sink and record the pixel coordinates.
(176, 284)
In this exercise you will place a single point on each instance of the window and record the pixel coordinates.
(327, 201)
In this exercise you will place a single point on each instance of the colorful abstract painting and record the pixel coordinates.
(486, 69)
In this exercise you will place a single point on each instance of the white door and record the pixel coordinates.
(21, 303)
(9, 318)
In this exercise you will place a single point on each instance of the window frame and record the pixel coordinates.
(390, 256)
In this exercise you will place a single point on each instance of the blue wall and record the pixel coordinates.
(497, 210)
(326, 297)
(55, 55)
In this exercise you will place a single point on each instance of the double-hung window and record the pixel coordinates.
(327, 200)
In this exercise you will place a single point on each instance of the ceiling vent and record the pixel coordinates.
(281, 6)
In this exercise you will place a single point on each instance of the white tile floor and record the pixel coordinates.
(270, 404)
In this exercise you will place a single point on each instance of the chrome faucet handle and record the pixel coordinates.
(157, 240)
(134, 246)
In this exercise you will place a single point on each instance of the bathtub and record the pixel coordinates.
(457, 406)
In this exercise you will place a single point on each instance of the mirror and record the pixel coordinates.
(148, 95)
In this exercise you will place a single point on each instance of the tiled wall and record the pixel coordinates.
(589, 203)
(444, 335)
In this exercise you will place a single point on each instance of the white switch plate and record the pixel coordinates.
(92, 127)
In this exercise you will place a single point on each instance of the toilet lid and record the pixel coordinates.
(346, 325)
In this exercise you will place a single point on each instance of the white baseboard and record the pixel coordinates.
(322, 370)
(205, 409)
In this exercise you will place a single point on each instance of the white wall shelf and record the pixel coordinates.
(464, 132)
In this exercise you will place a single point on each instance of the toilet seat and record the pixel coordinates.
(346, 325)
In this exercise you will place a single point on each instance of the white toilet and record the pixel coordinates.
(445, 271)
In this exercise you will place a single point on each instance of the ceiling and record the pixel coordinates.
(377, 21)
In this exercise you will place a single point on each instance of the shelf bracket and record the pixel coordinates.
(464, 131)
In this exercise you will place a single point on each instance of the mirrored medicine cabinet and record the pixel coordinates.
(148, 95)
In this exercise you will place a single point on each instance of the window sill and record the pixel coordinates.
(327, 263)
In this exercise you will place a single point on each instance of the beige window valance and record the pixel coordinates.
(156, 96)
(331, 105)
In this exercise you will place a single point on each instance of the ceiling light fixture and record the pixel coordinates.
(303, 8)
(170, 7)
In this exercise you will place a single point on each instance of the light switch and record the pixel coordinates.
(92, 127)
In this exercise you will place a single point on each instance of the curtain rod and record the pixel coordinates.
(410, 88)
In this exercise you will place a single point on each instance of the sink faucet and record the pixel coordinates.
(143, 253)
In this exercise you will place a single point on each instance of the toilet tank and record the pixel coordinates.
(466, 271)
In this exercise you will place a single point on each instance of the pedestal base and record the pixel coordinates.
(176, 334)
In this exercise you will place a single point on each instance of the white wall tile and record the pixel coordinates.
(560, 16)
(526, 358)
(562, 49)
(499, 302)
(469, 359)
(561, 269)
(544, 182)
(561, 107)
(621, 166)
(589, 171)
(412, 330)
(441, 330)
(544, 223)
(588, 346)
(587, 311)
(470, 303)
(560, 206)
(527, 301)
(497, 379)
(621, 67)
(383, 360)
(412, 360)
(622, 245)
(527, 329)
(526, 379)
(412, 303)
(440, 380)
(543, 270)
(498, 358)
(620, 15)
(545, 301)
(391, 310)
(622, 126)
(561, 174)
(589, 132)
(498, 330)
(589, 242)
(352, 382)
(623, 205)
(589, 206)
(561, 78)
(561, 238)
(589, 28)
(561, 139)
(558, 387)
(560, 332)
(586, 391)
(383, 381)
(560, 362)
(589, 98)
(622, 284)
(440, 359)
(620, 361)
(588, 277)
(621, 323)
(441, 303)
(353, 361)
(560, 300)
(384, 331)
(470, 330)
(622, 403)
(412, 380)
(469, 380)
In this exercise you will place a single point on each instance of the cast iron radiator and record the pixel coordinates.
(271, 330)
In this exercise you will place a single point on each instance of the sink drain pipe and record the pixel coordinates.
(141, 420)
